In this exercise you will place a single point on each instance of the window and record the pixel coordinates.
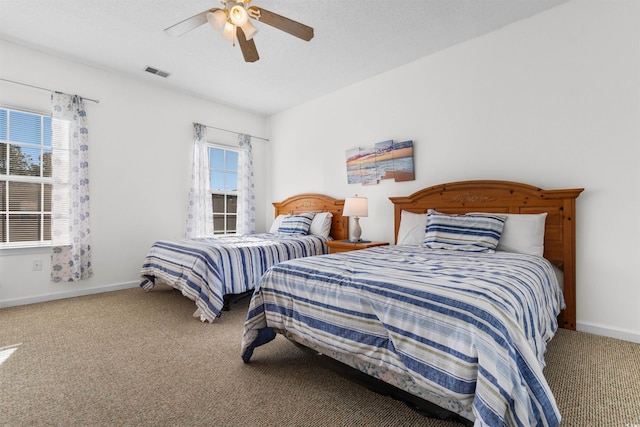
(25, 178)
(223, 170)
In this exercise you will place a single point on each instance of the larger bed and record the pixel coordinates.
(461, 329)
(211, 270)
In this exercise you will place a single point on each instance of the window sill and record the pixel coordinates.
(25, 249)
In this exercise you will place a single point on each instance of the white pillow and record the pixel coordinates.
(277, 223)
(523, 233)
(412, 228)
(321, 224)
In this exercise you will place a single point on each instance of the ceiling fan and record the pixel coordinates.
(235, 24)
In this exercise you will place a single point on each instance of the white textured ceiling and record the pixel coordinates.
(353, 40)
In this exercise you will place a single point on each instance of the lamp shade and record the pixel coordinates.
(217, 19)
(238, 15)
(249, 30)
(356, 206)
(229, 32)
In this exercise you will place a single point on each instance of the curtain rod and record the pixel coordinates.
(44, 88)
(231, 131)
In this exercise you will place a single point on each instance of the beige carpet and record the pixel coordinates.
(128, 358)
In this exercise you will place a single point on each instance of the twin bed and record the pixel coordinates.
(458, 315)
(211, 272)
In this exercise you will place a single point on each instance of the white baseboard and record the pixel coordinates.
(69, 294)
(607, 331)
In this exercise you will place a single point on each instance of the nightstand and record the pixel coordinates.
(336, 246)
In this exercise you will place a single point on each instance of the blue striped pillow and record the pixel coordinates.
(474, 232)
(297, 224)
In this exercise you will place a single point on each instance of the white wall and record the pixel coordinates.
(552, 101)
(141, 141)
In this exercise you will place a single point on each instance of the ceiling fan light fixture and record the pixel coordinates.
(234, 21)
(249, 30)
(217, 19)
(229, 32)
(238, 15)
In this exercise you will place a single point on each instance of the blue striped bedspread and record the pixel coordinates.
(466, 331)
(205, 270)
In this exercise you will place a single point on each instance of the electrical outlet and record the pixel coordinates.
(37, 265)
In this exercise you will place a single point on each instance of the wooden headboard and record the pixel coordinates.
(311, 202)
(516, 198)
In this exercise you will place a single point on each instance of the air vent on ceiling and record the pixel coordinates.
(157, 72)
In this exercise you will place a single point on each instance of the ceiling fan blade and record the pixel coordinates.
(248, 47)
(188, 24)
(280, 22)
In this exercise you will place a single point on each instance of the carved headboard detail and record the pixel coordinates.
(312, 202)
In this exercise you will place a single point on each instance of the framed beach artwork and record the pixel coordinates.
(386, 160)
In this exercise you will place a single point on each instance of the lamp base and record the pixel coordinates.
(357, 231)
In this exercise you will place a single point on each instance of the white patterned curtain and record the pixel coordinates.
(199, 209)
(70, 230)
(246, 222)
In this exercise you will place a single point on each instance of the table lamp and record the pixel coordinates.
(356, 207)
